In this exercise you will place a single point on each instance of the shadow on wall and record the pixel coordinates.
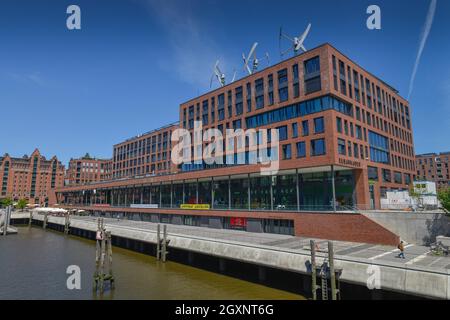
(438, 225)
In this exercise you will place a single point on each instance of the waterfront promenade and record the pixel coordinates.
(420, 274)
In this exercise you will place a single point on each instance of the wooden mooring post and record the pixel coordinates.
(44, 223)
(103, 258)
(7, 220)
(161, 244)
(67, 223)
(329, 275)
(30, 221)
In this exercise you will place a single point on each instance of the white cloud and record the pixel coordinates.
(192, 51)
(34, 78)
(423, 40)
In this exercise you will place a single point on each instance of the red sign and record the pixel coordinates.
(238, 222)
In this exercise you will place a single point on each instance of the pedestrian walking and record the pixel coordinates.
(401, 247)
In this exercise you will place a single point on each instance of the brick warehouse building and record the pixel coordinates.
(434, 167)
(87, 170)
(31, 177)
(345, 139)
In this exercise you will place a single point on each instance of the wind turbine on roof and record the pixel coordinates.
(297, 42)
(220, 76)
(255, 62)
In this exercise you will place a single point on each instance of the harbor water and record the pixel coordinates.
(34, 263)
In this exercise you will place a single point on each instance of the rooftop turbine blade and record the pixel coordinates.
(234, 76)
(252, 50)
(305, 34)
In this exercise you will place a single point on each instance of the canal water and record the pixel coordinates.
(34, 262)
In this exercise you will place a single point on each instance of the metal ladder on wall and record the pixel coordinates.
(324, 281)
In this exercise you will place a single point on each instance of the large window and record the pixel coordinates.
(398, 177)
(260, 193)
(283, 85)
(372, 173)
(318, 147)
(341, 147)
(294, 130)
(379, 147)
(282, 133)
(386, 175)
(284, 192)
(312, 75)
(301, 149)
(319, 126)
(239, 193)
(339, 124)
(305, 127)
(259, 93)
(287, 152)
(220, 190)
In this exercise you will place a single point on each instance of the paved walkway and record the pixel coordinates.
(414, 254)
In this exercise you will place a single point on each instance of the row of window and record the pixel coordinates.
(317, 148)
(386, 175)
(141, 147)
(354, 85)
(312, 83)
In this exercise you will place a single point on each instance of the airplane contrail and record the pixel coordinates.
(423, 41)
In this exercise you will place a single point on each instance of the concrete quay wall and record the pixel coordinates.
(396, 277)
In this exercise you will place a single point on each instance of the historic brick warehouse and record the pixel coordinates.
(31, 178)
(345, 139)
(87, 170)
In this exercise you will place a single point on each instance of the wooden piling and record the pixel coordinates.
(67, 223)
(158, 242)
(332, 271)
(6, 220)
(103, 257)
(31, 218)
(165, 244)
(44, 223)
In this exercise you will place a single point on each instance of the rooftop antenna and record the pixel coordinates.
(218, 74)
(297, 42)
(254, 62)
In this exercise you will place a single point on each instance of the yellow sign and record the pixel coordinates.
(195, 206)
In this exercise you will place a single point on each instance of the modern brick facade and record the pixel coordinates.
(87, 170)
(31, 177)
(146, 154)
(434, 167)
(345, 139)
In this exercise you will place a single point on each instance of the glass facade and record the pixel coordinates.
(285, 191)
(298, 110)
(379, 148)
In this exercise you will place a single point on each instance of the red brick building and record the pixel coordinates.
(31, 177)
(434, 167)
(87, 170)
(146, 154)
(345, 139)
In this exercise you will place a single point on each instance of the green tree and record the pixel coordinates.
(6, 202)
(21, 204)
(444, 197)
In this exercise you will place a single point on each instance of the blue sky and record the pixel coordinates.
(133, 62)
